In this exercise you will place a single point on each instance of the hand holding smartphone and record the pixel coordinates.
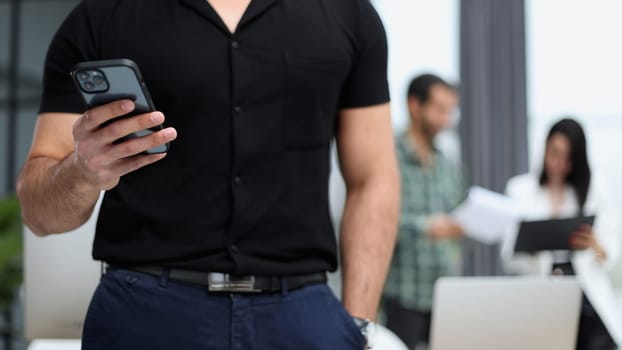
(102, 82)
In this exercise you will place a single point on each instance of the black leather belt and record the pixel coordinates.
(224, 282)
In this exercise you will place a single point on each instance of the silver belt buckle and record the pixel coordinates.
(224, 282)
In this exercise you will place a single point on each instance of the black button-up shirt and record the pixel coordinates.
(244, 188)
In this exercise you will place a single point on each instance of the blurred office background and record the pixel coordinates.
(569, 64)
(520, 66)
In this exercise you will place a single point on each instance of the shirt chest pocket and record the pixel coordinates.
(312, 91)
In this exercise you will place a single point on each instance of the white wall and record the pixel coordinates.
(423, 38)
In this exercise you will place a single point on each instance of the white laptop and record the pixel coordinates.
(59, 279)
(492, 313)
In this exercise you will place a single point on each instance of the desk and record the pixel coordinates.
(54, 344)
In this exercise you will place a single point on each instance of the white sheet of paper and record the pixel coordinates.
(486, 215)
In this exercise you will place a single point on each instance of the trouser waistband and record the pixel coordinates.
(224, 282)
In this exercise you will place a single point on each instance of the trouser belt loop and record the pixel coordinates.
(102, 270)
(284, 288)
(164, 277)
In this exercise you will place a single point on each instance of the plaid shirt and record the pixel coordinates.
(419, 260)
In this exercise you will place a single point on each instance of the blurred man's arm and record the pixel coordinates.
(72, 159)
(442, 226)
(368, 164)
(437, 226)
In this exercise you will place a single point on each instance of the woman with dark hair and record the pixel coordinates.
(565, 163)
(566, 188)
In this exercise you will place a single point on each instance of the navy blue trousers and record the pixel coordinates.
(132, 310)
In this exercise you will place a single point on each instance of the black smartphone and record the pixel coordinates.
(101, 82)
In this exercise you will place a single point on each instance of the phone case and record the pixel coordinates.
(101, 82)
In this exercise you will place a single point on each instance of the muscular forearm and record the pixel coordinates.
(367, 239)
(54, 195)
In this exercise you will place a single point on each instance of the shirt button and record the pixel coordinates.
(237, 109)
(234, 248)
(235, 44)
(237, 180)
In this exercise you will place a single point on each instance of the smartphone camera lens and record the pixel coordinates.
(98, 79)
(88, 86)
(83, 75)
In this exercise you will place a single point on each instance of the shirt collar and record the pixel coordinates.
(410, 148)
(255, 9)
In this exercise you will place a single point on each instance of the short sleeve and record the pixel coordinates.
(367, 84)
(73, 43)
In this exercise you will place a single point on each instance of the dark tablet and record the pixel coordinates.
(535, 236)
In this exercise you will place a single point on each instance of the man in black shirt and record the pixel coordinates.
(223, 242)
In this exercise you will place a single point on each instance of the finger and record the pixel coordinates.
(579, 246)
(435, 234)
(580, 242)
(138, 145)
(455, 226)
(126, 126)
(93, 118)
(586, 228)
(130, 164)
(580, 236)
(582, 231)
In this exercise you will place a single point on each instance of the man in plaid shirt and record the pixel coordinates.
(428, 245)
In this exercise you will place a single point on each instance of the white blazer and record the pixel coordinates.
(533, 201)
